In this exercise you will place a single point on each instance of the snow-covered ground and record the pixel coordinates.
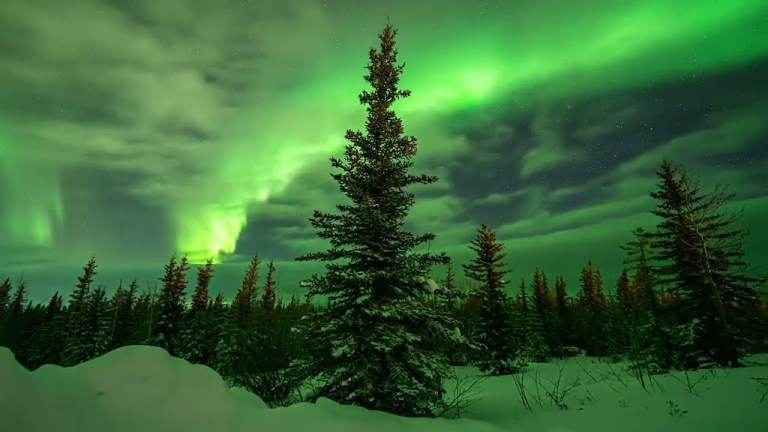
(142, 388)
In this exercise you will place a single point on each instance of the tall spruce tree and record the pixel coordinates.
(171, 305)
(370, 340)
(100, 314)
(700, 254)
(197, 340)
(496, 325)
(79, 336)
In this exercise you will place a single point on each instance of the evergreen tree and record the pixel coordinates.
(700, 254)
(268, 298)
(5, 297)
(447, 293)
(146, 311)
(15, 324)
(171, 305)
(650, 345)
(100, 314)
(370, 340)
(47, 341)
(496, 332)
(541, 299)
(237, 347)
(563, 326)
(197, 340)
(623, 310)
(125, 320)
(201, 298)
(534, 346)
(79, 335)
(592, 307)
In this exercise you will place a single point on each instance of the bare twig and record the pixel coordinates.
(519, 379)
(466, 391)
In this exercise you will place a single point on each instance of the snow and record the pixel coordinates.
(140, 388)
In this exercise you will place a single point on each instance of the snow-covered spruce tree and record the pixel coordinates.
(370, 350)
(700, 254)
(100, 313)
(496, 330)
(197, 343)
(533, 346)
(171, 305)
(79, 334)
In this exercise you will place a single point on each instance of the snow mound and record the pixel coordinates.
(141, 388)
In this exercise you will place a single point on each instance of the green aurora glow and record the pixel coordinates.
(222, 120)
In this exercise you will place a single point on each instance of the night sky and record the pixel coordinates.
(134, 129)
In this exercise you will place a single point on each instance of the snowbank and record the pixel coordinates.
(140, 388)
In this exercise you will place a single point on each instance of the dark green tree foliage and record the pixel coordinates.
(17, 322)
(5, 297)
(496, 327)
(646, 307)
(236, 347)
(171, 305)
(100, 315)
(201, 298)
(268, 298)
(543, 305)
(591, 303)
(649, 343)
(623, 306)
(531, 329)
(563, 323)
(370, 340)
(79, 338)
(47, 340)
(448, 292)
(5, 319)
(125, 326)
(197, 339)
(146, 313)
(700, 254)
(272, 346)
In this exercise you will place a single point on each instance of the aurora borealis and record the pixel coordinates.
(133, 130)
